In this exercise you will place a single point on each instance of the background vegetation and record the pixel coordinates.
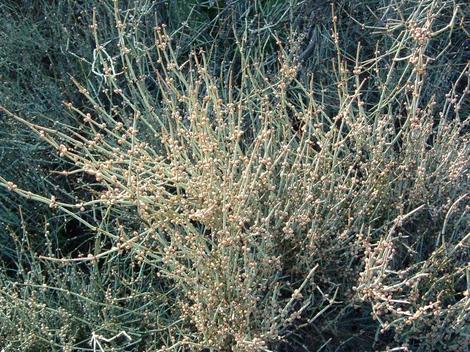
(234, 175)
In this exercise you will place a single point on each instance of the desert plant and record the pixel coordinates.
(245, 202)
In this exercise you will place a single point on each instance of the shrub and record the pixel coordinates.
(240, 204)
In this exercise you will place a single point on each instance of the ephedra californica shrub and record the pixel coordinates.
(267, 204)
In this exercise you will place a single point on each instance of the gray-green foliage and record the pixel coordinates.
(247, 178)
